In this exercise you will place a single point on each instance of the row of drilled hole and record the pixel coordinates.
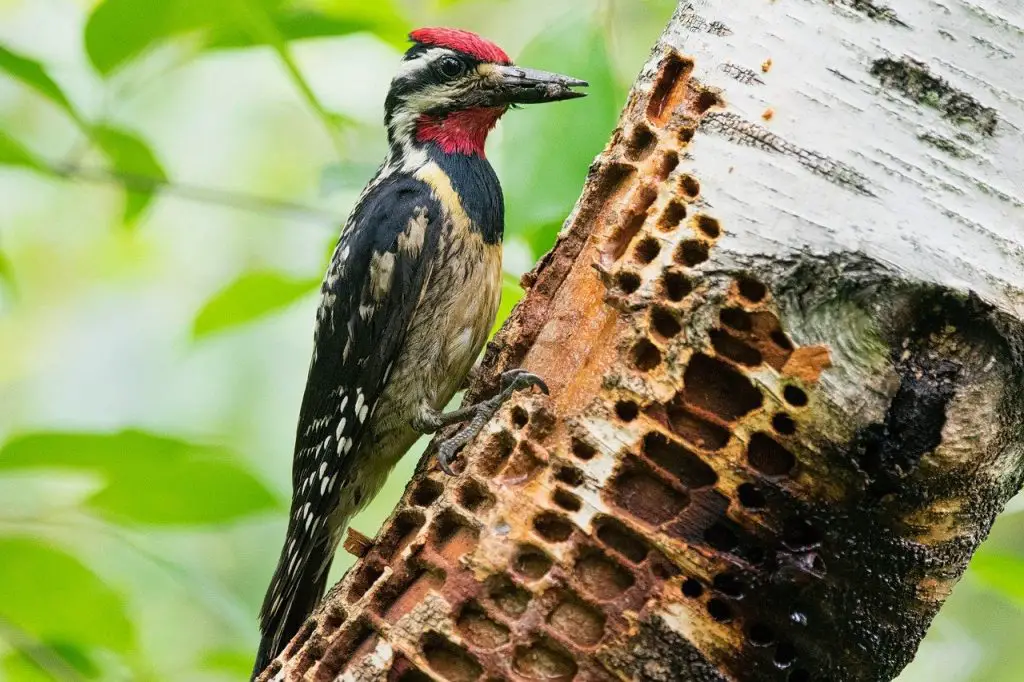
(759, 634)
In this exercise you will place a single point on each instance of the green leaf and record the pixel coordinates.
(379, 18)
(511, 294)
(58, 599)
(547, 149)
(135, 164)
(250, 297)
(33, 74)
(1003, 573)
(147, 478)
(121, 30)
(13, 153)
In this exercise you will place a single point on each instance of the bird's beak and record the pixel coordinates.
(529, 86)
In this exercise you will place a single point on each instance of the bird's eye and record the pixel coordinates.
(451, 67)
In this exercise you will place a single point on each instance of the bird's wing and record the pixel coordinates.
(369, 295)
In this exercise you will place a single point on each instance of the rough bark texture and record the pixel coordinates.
(782, 331)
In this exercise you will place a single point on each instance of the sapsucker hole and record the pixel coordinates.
(628, 282)
(367, 576)
(797, 534)
(780, 339)
(664, 322)
(707, 99)
(716, 387)
(474, 496)
(721, 537)
(709, 226)
(675, 286)
(646, 250)
(689, 186)
(645, 355)
(509, 597)
(643, 494)
(735, 318)
(729, 347)
(449, 660)
(755, 555)
(577, 620)
(668, 89)
(427, 492)
(768, 457)
(544, 659)
(640, 142)
(750, 496)
(671, 216)
(582, 449)
(618, 537)
(785, 654)
(552, 527)
(695, 429)
(601, 576)
(692, 588)
(729, 585)
(669, 162)
(692, 471)
(406, 526)
(691, 253)
(794, 395)
(720, 610)
(569, 475)
(480, 630)
(566, 500)
(760, 634)
(752, 290)
(783, 424)
(531, 563)
(520, 417)
(627, 410)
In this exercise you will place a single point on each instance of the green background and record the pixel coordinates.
(173, 174)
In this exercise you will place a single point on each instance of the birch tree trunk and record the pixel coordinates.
(782, 331)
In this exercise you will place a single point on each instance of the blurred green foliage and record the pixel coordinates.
(150, 378)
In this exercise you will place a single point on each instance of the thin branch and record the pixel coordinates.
(44, 657)
(264, 28)
(238, 200)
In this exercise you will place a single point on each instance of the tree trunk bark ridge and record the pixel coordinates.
(782, 334)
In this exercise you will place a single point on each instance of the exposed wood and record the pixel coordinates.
(785, 365)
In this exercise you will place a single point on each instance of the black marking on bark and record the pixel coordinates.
(741, 74)
(656, 653)
(695, 23)
(743, 132)
(871, 10)
(890, 451)
(913, 80)
(945, 144)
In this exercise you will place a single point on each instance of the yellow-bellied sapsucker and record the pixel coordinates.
(409, 297)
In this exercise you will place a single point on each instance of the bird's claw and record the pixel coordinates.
(446, 452)
(511, 381)
(518, 379)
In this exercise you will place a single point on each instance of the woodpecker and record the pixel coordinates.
(406, 305)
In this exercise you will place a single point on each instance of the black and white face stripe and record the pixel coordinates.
(434, 81)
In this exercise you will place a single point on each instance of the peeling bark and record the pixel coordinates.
(782, 331)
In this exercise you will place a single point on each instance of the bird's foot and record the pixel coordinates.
(511, 381)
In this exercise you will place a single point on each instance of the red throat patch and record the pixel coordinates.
(460, 132)
(461, 41)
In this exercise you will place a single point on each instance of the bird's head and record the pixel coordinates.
(453, 86)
